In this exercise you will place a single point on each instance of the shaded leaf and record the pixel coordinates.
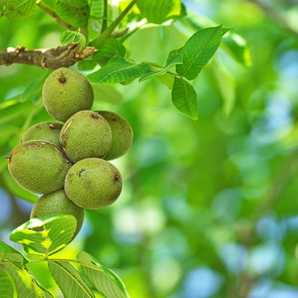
(8, 253)
(34, 88)
(198, 50)
(50, 234)
(103, 92)
(26, 286)
(16, 189)
(76, 16)
(118, 70)
(159, 11)
(74, 37)
(6, 289)
(19, 9)
(69, 280)
(109, 48)
(184, 98)
(105, 280)
(172, 61)
(86, 65)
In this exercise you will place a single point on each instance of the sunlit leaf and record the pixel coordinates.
(105, 280)
(69, 280)
(198, 50)
(6, 289)
(19, 9)
(172, 61)
(159, 11)
(8, 253)
(184, 98)
(118, 70)
(45, 235)
(167, 79)
(26, 286)
(109, 48)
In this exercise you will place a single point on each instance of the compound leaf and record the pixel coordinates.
(69, 280)
(104, 280)
(45, 235)
(184, 98)
(118, 70)
(198, 50)
(159, 11)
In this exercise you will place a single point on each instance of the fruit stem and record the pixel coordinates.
(104, 35)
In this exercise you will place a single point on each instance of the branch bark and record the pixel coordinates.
(63, 56)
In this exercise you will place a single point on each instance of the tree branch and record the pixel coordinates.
(64, 56)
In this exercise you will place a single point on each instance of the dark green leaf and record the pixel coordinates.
(172, 61)
(19, 9)
(8, 253)
(184, 98)
(74, 15)
(45, 235)
(74, 37)
(109, 48)
(198, 50)
(118, 70)
(26, 286)
(159, 11)
(6, 289)
(105, 280)
(69, 280)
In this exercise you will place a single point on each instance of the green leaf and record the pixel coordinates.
(74, 37)
(7, 131)
(184, 98)
(86, 65)
(26, 286)
(118, 70)
(69, 280)
(50, 234)
(172, 61)
(108, 49)
(104, 280)
(237, 48)
(16, 189)
(159, 11)
(198, 50)
(78, 3)
(167, 79)
(6, 289)
(8, 253)
(76, 16)
(19, 9)
(12, 109)
(103, 92)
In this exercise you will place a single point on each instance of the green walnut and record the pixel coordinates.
(66, 92)
(93, 183)
(86, 134)
(38, 166)
(122, 134)
(44, 131)
(56, 203)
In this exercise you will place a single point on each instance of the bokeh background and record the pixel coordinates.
(209, 208)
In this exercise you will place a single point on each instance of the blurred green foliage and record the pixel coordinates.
(209, 207)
